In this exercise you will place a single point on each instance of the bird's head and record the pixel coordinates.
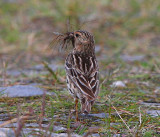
(82, 41)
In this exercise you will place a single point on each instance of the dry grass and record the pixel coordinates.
(124, 27)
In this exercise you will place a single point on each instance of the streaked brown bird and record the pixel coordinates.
(82, 70)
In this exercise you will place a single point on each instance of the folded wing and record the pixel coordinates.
(84, 74)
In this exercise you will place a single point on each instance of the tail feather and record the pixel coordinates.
(86, 106)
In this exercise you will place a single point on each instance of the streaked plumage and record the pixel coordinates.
(82, 70)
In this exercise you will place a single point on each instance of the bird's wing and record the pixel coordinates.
(84, 74)
(94, 76)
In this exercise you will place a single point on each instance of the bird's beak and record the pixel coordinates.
(71, 34)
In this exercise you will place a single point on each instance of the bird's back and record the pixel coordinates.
(82, 71)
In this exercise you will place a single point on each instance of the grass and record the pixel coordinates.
(120, 27)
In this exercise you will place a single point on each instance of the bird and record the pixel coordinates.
(82, 70)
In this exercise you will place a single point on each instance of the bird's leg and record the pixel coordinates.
(76, 108)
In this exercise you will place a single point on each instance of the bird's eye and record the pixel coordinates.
(77, 35)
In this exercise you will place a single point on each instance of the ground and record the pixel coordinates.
(127, 36)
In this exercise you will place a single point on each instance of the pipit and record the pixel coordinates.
(82, 71)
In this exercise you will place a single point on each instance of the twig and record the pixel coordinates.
(15, 120)
(140, 116)
(121, 118)
(51, 71)
(20, 124)
(42, 109)
(68, 125)
(4, 74)
(126, 111)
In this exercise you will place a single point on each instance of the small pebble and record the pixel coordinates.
(118, 84)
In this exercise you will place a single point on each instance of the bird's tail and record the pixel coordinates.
(86, 106)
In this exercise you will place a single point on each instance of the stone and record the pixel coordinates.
(118, 84)
(6, 132)
(154, 113)
(99, 115)
(21, 91)
(156, 105)
(97, 48)
(157, 90)
(129, 58)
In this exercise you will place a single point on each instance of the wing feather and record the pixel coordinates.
(84, 74)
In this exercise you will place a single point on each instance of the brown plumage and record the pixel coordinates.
(82, 70)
